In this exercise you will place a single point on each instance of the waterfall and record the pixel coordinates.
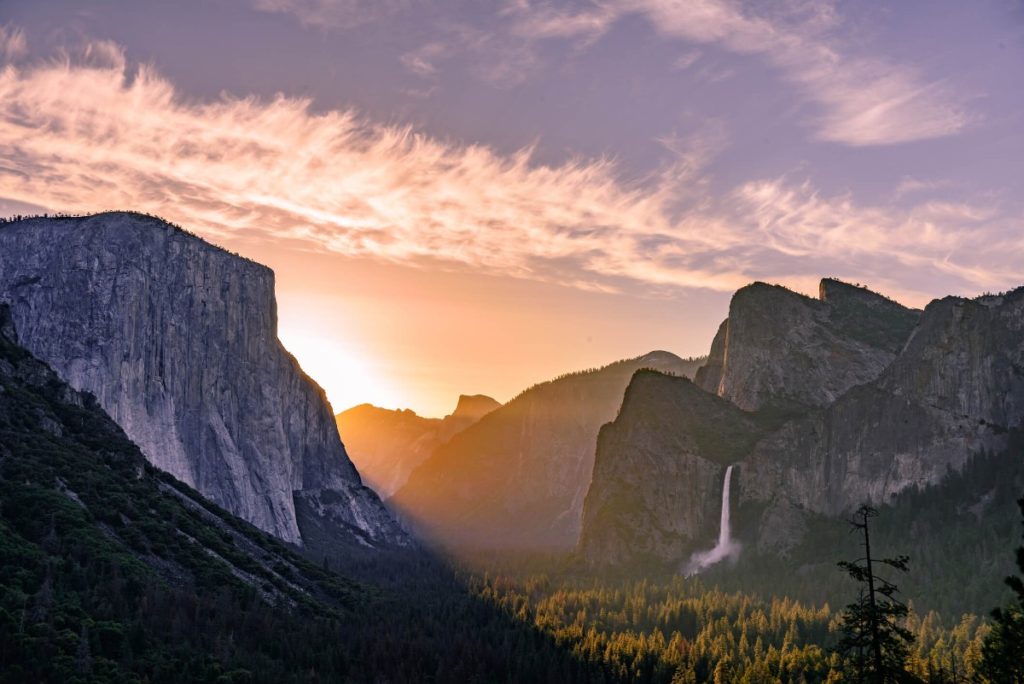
(726, 547)
(724, 531)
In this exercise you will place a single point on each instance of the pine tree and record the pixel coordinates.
(875, 645)
(1002, 655)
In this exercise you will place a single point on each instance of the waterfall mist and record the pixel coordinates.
(726, 547)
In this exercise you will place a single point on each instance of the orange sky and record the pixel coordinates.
(588, 186)
(404, 337)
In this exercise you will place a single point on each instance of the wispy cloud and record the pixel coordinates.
(863, 100)
(94, 133)
(859, 99)
(855, 97)
(422, 60)
(13, 43)
(333, 13)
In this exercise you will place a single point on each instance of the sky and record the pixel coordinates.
(472, 197)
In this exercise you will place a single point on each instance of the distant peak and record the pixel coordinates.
(367, 408)
(474, 406)
(658, 356)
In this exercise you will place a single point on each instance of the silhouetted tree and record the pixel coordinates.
(874, 644)
(1002, 655)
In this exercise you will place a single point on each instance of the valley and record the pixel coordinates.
(169, 475)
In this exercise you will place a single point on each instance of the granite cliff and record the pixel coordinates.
(834, 402)
(386, 445)
(517, 478)
(177, 339)
(782, 349)
(643, 507)
(956, 389)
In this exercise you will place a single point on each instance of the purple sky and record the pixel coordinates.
(590, 180)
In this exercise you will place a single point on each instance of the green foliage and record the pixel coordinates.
(1003, 651)
(875, 644)
(111, 571)
(958, 562)
(683, 630)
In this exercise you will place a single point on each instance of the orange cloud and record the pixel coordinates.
(95, 133)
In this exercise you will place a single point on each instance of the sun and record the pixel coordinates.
(348, 377)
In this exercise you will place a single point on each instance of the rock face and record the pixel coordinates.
(853, 398)
(783, 349)
(387, 445)
(177, 339)
(655, 467)
(57, 443)
(957, 388)
(518, 477)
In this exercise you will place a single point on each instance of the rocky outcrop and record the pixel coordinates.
(518, 477)
(177, 339)
(387, 445)
(784, 350)
(469, 409)
(956, 389)
(853, 405)
(655, 469)
(58, 446)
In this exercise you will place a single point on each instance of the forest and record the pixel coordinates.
(112, 571)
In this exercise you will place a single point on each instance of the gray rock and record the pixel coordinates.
(956, 388)
(782, 349)
(658, 474)
(857, 399)
(177, 339)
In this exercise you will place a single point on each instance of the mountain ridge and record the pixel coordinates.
(388, 444)
(952, 389)
(518, 477)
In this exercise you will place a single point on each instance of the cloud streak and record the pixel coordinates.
(13, 44)
(95, 133)
(855, 97)
(858, 100)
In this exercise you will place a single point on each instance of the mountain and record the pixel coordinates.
(517, 478)
(102, 552)
(956, 389)
(789, 351)
(828, 405)
(386, 445)
(177, 339)
(115, 571)
(643, 506)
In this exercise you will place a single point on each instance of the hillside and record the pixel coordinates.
(517, 478)
(828, 404)
(113, 571)
(387, 445)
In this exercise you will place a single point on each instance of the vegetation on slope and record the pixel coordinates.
(111, 571)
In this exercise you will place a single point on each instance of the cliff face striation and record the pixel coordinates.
(387, 445)
(956, 389)
(655, 467)
(518, 477)
(177, 339)
(782, 349)
(834, 402)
